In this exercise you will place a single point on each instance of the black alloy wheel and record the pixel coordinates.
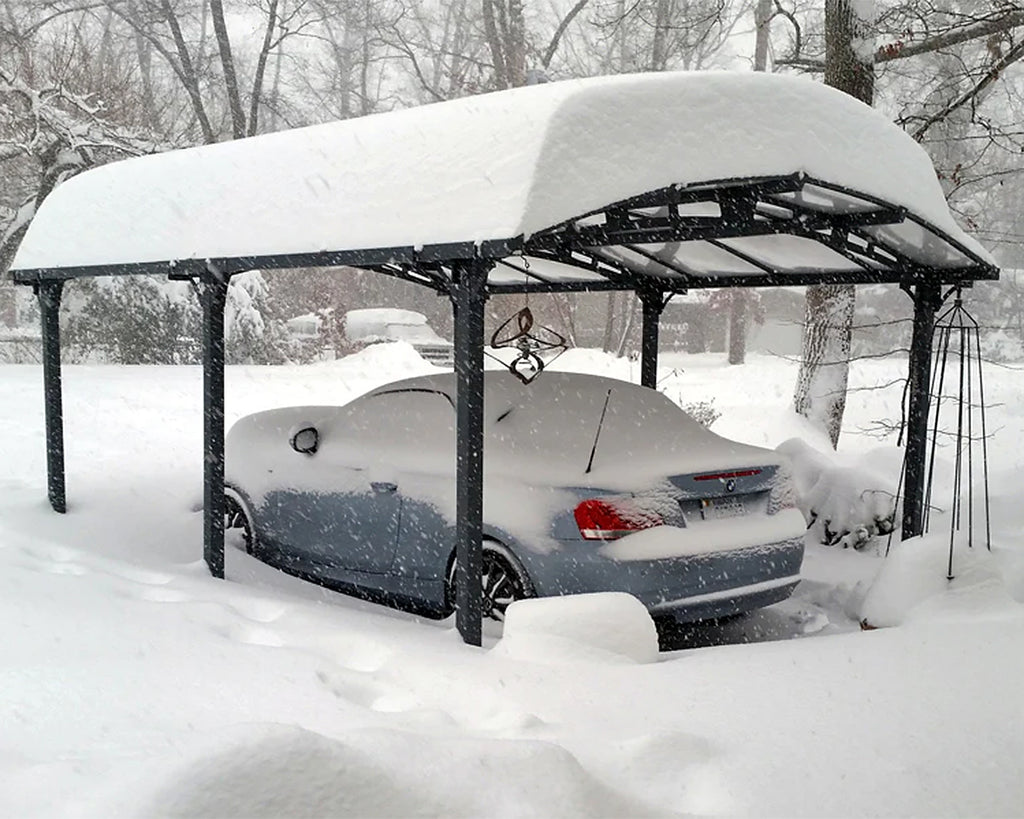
(502, 582)
(235, 520)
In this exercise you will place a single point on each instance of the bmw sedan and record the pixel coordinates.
(590, 484)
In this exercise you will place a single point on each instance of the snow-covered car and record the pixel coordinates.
(590, 484)
(374, 325)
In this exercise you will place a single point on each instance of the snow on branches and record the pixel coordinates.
(51, 134)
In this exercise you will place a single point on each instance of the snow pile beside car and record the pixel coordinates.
(608, 626)
(844, 505)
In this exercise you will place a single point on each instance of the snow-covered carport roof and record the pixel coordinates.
(674, 181)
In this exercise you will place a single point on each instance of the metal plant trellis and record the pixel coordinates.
(959, 417)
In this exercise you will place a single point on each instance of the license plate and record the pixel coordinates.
(719, 508)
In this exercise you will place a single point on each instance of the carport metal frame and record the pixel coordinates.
(746, 208)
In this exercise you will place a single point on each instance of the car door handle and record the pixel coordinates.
(383, 486)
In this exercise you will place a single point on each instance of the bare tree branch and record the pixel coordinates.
(983, 28)
(549, 52)
(1008, 59)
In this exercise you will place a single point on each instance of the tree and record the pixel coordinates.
(48, 134)
(850, 64)
(824, 367)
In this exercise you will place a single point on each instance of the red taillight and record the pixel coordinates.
(601, 519)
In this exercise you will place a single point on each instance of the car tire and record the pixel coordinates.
(237, 518)
(503, 581)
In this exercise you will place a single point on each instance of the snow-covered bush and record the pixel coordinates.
(252, 333)
(132, 320)
(843, 505)
(703, 412)
(150, 320)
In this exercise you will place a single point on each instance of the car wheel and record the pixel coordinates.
(503, 580)
(236, 522)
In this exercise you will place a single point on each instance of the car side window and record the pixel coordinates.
(403, 421)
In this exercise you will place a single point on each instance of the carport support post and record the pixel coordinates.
(49, 294)
(214, 298)
(653, 302)
(927, 300)
(469, 298)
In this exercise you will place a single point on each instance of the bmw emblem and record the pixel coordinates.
(730, 485)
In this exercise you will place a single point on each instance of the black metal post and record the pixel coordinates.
(469, 298)
(49, 295)
(214, 298)
(653, 302)
(927, 300)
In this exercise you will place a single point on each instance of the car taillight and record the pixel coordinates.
(603, 519)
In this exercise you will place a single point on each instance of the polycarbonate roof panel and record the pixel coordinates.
(792, 253)
(707, 259)
(814, 197)
(531, 270)
(639, 263)
(919, 244)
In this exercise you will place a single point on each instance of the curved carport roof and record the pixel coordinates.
(675, 180)
(653, 183)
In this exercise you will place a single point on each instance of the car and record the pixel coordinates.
(590, 484)
(374, 325)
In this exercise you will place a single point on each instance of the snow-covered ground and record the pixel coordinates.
(132, 683)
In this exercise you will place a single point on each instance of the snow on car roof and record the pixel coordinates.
(554, 422)
(491, 167)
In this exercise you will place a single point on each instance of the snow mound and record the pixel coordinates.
(387, 362)
(268, 770)
(606, 626)
(913, 584)
(844, 505)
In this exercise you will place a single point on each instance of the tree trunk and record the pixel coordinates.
(261, 67)
(824, 370)
(738, 303)
(738, 326)
(227, 62)
(494, 42)
(609, 321)
(828, 316)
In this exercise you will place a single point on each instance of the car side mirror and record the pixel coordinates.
(306, 440)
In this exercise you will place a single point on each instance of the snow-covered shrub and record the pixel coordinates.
(253, 335)
(843, 505)
(132, 320)
(1002, 345)
(703, 412)
(150, 320)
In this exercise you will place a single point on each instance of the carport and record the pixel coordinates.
(650, 183)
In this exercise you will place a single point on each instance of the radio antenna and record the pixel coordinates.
(597, 435)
